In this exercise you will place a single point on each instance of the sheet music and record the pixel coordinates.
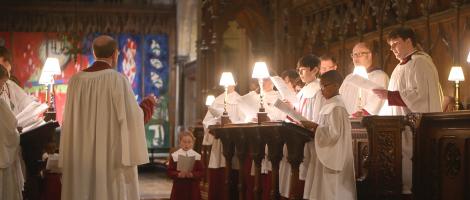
(363, 83)
(286, 92)
(249, 104)
(289, 111)
(53, 163)
(185, 163)
(29, 115)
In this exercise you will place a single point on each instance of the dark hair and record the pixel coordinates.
(311, 61)
(332, 76)
(3, 72)
(104, 50)
(186, 133)
(292, 74)
(5, 53)
(403, 33)
(328, 57)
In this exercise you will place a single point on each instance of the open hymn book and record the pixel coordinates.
(185, 163)
(29, 118)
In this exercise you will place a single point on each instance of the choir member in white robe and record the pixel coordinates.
(11, 176)
(217, 159)
(370, 104)
(414, 87)
(308, 68)
(330, 174)
(103, 137)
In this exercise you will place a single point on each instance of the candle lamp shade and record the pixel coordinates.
(46, 79)
(260, 71)
(456, 75)
(226, 79)
(51, 66)
(361, 71)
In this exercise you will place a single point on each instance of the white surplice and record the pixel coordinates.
(102, 139)
(217, 159)
(370, 102)
(417, 81)
(330, 173)
(11, 176)
(308, 105)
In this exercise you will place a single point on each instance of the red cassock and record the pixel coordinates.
(186, 188)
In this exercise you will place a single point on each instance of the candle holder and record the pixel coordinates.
(226, 80)
(260, 72)
(456, 75)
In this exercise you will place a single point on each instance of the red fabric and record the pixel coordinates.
(266, 183)
(97, 66)
(216, 184)
(361, 113)
(147, 106)
(186, 188)
(394, 99)
(249, 179)
(52, 187)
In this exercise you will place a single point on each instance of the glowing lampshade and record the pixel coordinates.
(226, 79)
(51, 66)
(209, 100)
(361, 71)
(46, 79)
(260, 70)
(456, 74)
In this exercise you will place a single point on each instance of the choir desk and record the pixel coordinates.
(251, 138)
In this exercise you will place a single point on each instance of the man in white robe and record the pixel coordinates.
(370, 104)
(217, 159)
(103, 137)
(308, 69)
(11, 176)
(330, 174)
(414, 87)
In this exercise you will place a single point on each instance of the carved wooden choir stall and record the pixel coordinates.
(441, 162)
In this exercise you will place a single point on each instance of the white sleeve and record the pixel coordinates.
(131, 121)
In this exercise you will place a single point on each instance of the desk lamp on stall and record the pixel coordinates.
(50, 69)
(260, 72)
(456, 75)
(362, 72)
(226, 80)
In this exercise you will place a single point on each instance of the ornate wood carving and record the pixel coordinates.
(453, 159)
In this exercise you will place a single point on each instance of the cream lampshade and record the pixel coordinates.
(456, 75)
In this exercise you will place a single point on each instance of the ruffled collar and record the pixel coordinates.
(189, 153)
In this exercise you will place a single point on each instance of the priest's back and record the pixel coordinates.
(103, 138)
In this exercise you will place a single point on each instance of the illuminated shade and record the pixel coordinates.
(468, 57)
(226, 79)
(456, 74)
(209, 100)
(361, 71)
(51, 66)
(46, 79)
(260, 70)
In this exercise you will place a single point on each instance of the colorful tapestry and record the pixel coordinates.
(156, 82)
(130, 61)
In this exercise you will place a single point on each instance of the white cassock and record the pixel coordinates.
(370, 102)
(217, 159)
(102, 139)
(11, 176)
(330, 173)
(417, 81)
(307, 106)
